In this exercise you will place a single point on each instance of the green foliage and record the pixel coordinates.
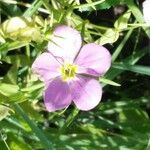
(122, 22)
(110, 36)
(120, 122)
(109, 3)
(135, 68)
(4, 112)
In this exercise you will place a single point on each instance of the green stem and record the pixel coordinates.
(121, 45)
(4, 141)
(28, 59)
(99, 27)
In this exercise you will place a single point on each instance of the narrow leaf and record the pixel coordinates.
(107, 81)
(134, 68)
(46, 142)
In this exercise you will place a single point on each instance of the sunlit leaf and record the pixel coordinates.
(110, 36)
(106, 81)
(122, 22)
(4, 111)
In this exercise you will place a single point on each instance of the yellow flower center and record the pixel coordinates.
(68, 71)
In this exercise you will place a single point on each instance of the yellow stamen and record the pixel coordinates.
(68, 71)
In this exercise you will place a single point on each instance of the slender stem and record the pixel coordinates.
(120, 47)
(138, 25)
(4, 141)
(136, 40)
(89, 4)
(100, 27)
(28, 59)
(95, 33)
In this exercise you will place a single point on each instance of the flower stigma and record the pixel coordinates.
(68, 71)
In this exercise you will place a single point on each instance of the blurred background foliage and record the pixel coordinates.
(120, 122)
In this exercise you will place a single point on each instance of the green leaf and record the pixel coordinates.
(133, 122)
(18, 97)
(10, 10)
(44, 140)
(33, 8)
(121, 45)
(89, 6)
(110, 36)
(122, 22)
(107, 81)
(33, 87)
(17, 143)
(31, 111)
(108, 3)
(70, 119)
(13, 45)
(10, 93)
(112, 73)
(3, 146)
(8, 89)
(134, 68)
(16, 61)
(105, 4)
(4, 112)
(137, 115)
(123, 104)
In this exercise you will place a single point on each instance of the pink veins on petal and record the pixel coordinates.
(72, 78)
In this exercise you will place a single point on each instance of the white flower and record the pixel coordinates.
(146, 11)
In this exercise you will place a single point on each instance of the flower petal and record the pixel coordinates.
(86, 93)
(46, 66)
(57, 95)
(66, 42)
(93, 59)
(146, 11)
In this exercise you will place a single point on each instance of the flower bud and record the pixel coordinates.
(21, 28)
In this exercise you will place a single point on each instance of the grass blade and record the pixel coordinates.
(33, 8)
(46, 143)
(134, 68)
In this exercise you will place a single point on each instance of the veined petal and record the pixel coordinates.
(93, 59)
(57, 95)
(65, 43)
(46, 66)
(86, 93)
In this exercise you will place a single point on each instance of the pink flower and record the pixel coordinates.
(70, 72)
(146, 11)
